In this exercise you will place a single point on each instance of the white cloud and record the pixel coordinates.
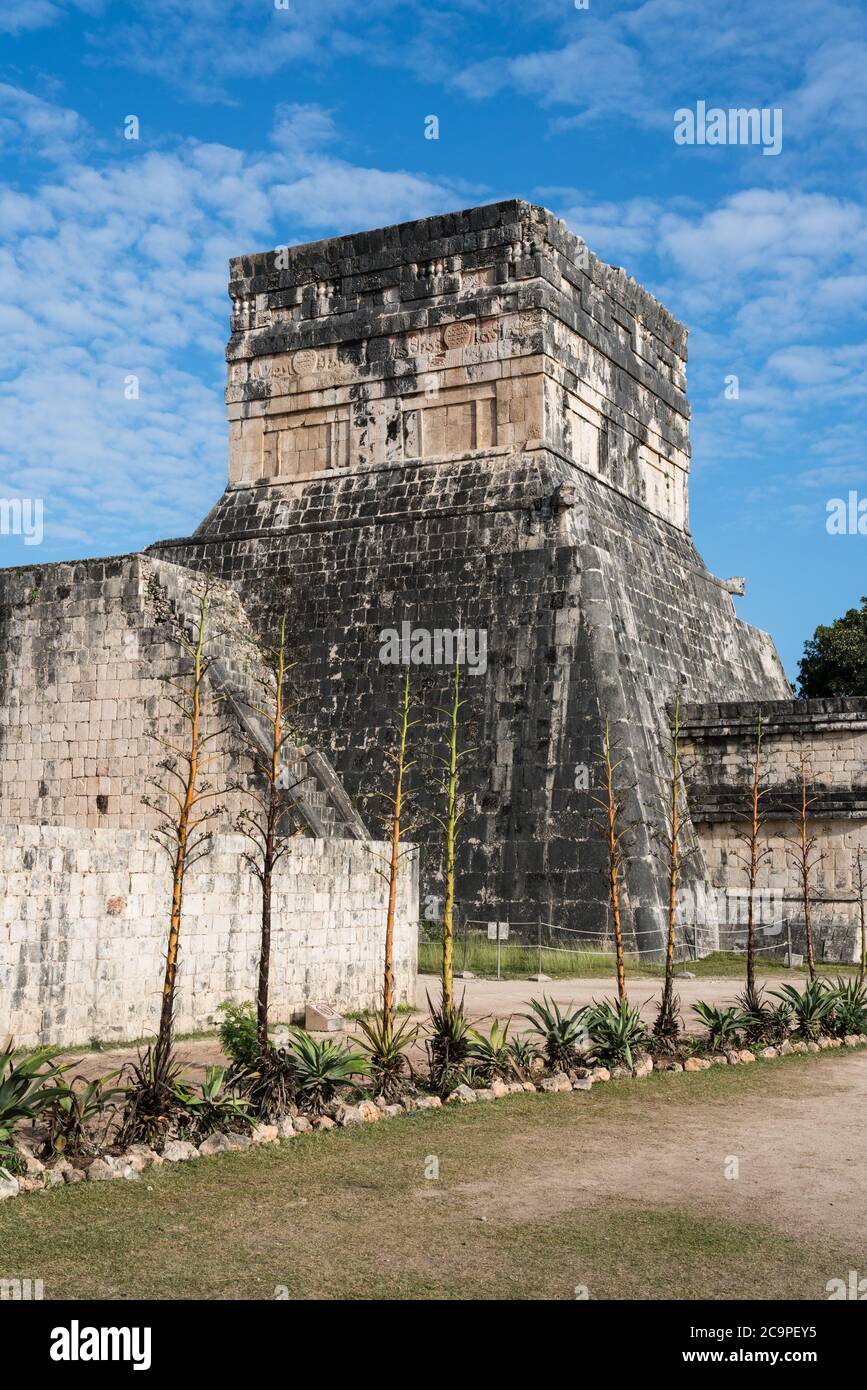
(119, 267)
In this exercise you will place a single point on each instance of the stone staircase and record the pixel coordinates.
(238, 673)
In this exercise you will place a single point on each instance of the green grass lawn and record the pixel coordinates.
(351, 1214)
(517, 962)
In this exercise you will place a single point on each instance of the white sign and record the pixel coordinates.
(498, 931)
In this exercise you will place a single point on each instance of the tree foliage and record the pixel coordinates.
(835, 657)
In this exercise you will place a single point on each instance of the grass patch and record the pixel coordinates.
(518, 962)
(350, 1214)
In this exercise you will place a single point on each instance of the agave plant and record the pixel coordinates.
(25, 1088)
(523, 1052)
(153, 1108)
(563, 1032)
(267, 1083)
(850, 1009)
(448, 1044)
(320, 1067)
(617, 1032)
(667, 1028)
(724, 1025)
(75, 1109)
(764, 1022)
(812, 1008)
(210, 1107)
(384, 1046)
(491, 1056)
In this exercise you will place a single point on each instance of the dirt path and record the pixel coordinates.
(799, 1141)
(485, 999)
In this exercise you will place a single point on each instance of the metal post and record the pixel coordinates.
(789, 939)
(498, 950)
(540, 946)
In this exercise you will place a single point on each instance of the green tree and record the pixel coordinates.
(835, 657)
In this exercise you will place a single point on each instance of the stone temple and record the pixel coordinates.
(465, 424)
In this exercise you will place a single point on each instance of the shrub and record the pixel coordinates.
(812, 1008)
(492, 1055)
(523, 1052)
(24, 1088)
(448, 1044)
(153, 1109)
(667, 1028)
(724, 1025)
(384, 1047)
(320, 1067)
(764, 1023)
(617, 1032)
(238, 1032)
(268, 1084)
(211, 1107)
(72, 1114)
(563, 1032)
(850, 1007)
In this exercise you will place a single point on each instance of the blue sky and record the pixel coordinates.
(262, 125)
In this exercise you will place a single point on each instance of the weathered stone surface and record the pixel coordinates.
(852, 1040)
(643, 1067)
(301, 1124)
(583, 1083)
(100, 1170)
(182, 1151)
(484, 1093)
(558, 1082)
(425, 1103)
(462, 1095)
(746, 1056)
(9, 1186)
(600, 1074)
(799, 1047)
(696, 1064)
(264, 1134)
(286, 1128)
(369, 1112)
(349, 1115)
(769, 1052)
(500, 1088)
(322, 1122)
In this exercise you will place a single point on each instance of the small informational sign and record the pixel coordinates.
(498, 931)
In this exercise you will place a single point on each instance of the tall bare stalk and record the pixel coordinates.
(613, 833)
(667, 1026)
(754, 856)
(397, 801)
(271, 824)
(804, 853)
(183, 834)
(861, 879)
(450, 827)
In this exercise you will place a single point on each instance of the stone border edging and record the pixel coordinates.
(130, 1165)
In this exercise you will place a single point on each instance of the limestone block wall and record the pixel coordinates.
(831, 736)
(84, 661)
(84, 915)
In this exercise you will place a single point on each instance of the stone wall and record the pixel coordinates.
(84, 918)
(831, 737)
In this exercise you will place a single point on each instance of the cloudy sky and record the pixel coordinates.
(263, 122)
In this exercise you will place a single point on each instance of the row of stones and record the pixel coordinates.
(130, 1165)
